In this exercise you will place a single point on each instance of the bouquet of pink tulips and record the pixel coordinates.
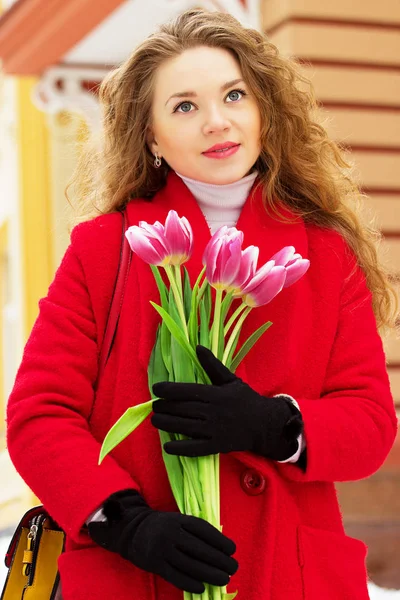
(186, 315)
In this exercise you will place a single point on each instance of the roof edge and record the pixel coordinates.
(35, 34)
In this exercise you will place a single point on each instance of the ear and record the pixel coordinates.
(151, 142)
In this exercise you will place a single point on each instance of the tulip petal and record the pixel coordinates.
(175, 235)
(189, 234)
(296, 271)
(294, 259)
(222, 256)
(154, 233)
(157, 225)
(284, 255)
(152, 253)
(247, 269)
(267, 288)
(231, 261)
(220, 231)
(213, 251)
(260, 275)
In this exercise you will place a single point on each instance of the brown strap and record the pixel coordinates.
(117, 299)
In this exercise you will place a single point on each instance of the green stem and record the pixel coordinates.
(234, 317)
(193, 488)
(202, 289)
(178, 298)
(217, 488)
(217, 317)
(178, 278)
(206, 478)
(216, 593)
(234, 332)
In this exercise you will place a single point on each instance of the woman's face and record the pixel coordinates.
(201, 100)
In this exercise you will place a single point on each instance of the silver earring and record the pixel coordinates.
(157, 161)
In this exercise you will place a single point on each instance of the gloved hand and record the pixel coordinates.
(226, 416)
(184, 550)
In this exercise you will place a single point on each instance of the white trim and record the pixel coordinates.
(50, 98)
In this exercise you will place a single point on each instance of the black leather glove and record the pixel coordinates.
(184, 550)
(226, 416)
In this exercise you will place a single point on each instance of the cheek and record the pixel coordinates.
(253, 126)
(174, 135)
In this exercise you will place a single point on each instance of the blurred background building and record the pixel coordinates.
(54, 55)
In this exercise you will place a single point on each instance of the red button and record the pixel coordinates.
(253, 482)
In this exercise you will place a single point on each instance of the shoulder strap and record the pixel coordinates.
(117, 299)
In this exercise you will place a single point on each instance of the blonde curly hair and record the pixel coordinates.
(298, 163)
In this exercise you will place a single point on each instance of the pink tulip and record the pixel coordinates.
(161, 245)
(247, 270)
(222, 257)
(294, 264)
(265, 285)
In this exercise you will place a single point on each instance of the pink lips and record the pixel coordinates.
(222, 150)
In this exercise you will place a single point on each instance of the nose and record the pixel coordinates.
(215, 121)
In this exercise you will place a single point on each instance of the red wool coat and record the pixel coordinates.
(323, 349)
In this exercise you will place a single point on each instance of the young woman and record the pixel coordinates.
(207, 119)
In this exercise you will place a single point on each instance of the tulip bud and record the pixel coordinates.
(161, 245)
(265, 285)
(222, 257)
(294, 264)
(247, 269)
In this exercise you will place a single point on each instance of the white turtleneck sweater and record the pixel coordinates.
(221, 204)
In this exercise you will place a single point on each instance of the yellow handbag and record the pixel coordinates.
(32, 556)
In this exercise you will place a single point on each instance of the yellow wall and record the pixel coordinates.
(35, 201)
(3, 283)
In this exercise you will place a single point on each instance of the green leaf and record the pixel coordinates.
(174, 470)
(182, 364)
(228, 362)
(165, 347)
(179, 336)
(192, 479)
(247, 346)
(226, 303)
(229, 596)
(204, 326)
(162, 288)
(208, 301)
(156, 370)
(127, 423)
(193, 316)
(187, 294)
(221, 340)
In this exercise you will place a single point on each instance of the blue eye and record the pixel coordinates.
(181, 105)
(236, 92)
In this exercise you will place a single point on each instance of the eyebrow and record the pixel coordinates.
(191, 94)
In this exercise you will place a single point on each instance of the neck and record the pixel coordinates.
(221, 204)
